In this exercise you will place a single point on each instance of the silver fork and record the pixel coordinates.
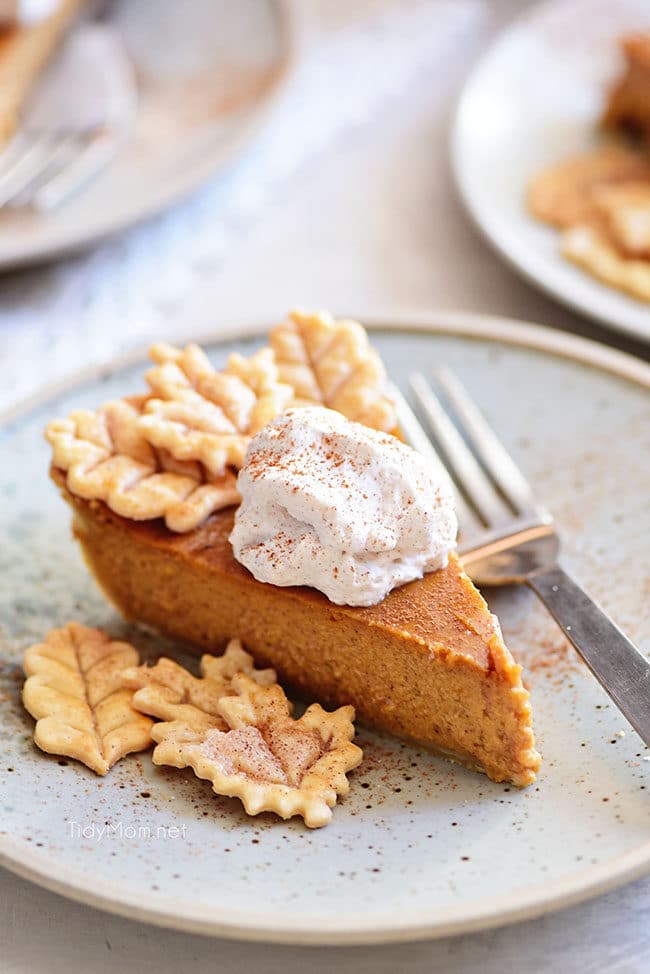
(43, 168)
(516, 540)
(58, 149)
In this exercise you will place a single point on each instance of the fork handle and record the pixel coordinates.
(615, 662)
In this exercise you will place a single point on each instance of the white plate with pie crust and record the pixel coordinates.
(201, 102)
(533, 99)
(420, 847)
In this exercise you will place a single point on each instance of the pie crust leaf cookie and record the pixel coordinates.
(175, 453)
(199, 413)
(266, 758)
(563, 194)
(75, 692)
(187, 705)
(590, 248)
(107, 458)
(332, 363)
(625, 208)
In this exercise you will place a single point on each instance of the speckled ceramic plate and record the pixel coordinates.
(533, 99)
(201, 101)
(420, 847)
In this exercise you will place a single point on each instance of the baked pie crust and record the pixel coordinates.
(565, 193)
(591, 248)
(264, 757)
(169, 692)
(331, 363)
(107, 458)
(625, 209)
(74, 689)
(628, 104)
(233, 726)
(201, 414)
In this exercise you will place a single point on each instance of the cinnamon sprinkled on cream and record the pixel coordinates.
(336, 506)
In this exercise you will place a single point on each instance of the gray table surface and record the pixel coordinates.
(390, 234)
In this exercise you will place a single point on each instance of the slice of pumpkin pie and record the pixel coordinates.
(338, 568)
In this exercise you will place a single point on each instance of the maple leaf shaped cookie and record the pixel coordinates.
(188, 704)
(74, 689)
(265, 757)
(198, 413)
(106, 457)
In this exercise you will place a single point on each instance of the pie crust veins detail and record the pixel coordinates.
(74, 689)
(262, 755)
(201, 414)
(169, 692)
(107, 458)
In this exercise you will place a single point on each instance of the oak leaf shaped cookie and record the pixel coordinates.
(332, 363)
(265, 757)
(74, 690)
(188, 704)
(198, 413)
(107, 458)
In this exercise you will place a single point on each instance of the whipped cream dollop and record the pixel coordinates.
(339, 507)
(25, 12)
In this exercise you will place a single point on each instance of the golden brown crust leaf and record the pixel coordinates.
(107, 458)
(252, 748)
(625, 209)
(563, 194)
(331, 362)
(74, 689)
(170, 693)
(200, 414)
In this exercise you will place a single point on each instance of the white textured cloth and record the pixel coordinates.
(354, 61)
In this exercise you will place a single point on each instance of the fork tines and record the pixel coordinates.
(42, 168)
(490, 481)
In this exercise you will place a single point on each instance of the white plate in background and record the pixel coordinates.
(533, 99)
(209, 72)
